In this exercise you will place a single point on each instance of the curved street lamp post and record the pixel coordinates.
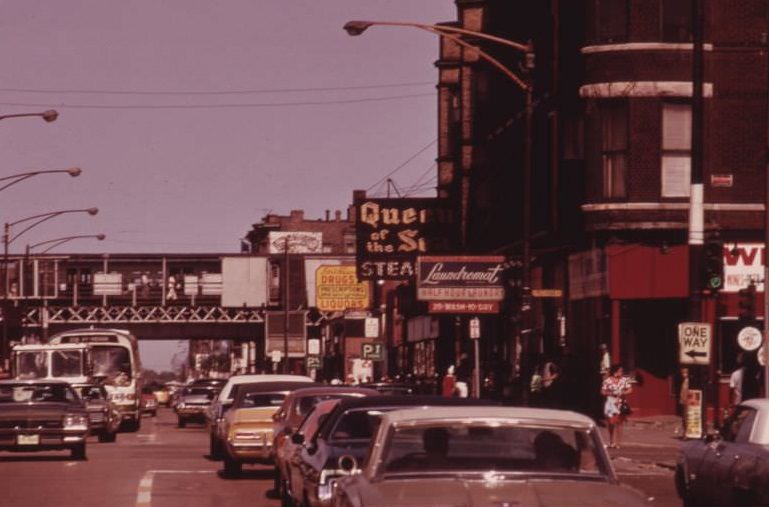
(7, 240)
(525, 83)
(18, 178)
(60, 241)
(49, 115)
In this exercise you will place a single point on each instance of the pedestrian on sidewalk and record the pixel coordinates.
(683, 394)
(449, 385)
(615, 388)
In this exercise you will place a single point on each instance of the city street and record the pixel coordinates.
(165, 466)
(161, 465)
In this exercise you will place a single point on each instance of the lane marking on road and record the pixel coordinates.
(71, 464)
(144, 494)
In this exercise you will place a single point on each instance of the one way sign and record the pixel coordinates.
(694, 343)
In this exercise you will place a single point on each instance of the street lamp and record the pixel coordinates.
(525, 83)
(49, 115)
(7, 240)
(18, 178)
(59, 241)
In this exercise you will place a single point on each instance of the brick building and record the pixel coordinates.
(611, 172)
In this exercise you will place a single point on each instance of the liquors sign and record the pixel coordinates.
(391, 233)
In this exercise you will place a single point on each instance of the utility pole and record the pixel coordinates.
(285, 306)
(696, 194)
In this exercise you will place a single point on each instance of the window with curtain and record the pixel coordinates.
(614, 134)
(676, 149)
(611, 20)
(676, 21)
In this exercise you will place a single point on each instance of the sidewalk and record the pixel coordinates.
(652, 441)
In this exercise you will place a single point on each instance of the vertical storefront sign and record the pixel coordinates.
(693, 414)
(391, 233)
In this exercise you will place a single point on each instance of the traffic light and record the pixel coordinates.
(747, 302)
(713, 276)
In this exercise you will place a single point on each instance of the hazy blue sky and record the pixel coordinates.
(298, 121)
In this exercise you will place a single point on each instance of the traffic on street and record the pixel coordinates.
(346, 253)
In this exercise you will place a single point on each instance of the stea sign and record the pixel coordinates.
(391, 233)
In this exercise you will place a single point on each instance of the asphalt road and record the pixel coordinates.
(161, 466)
(165, 466)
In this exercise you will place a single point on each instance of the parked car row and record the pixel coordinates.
(356, 446)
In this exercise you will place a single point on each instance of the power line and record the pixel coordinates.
(401, 166)
(217, 106)
(213, 92)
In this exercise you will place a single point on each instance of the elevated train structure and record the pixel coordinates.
(159, 296)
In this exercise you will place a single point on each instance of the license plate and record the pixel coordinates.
(28, 439)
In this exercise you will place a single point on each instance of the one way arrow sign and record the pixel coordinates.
(694, 343)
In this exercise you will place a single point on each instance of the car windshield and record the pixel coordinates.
(199, 391)
(36, 393)
(357, 424)
(92, 392)
(486, 446)
(253, 400)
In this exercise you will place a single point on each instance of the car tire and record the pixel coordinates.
(78, 452)
(232, 468)
(181, 423)
(214, 448)
(107, 437)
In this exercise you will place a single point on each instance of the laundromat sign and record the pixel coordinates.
(391, 233)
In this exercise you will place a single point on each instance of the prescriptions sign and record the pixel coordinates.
(338, 289)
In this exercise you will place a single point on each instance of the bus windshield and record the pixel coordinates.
(67, 363)
(31, 364)
(111, 361)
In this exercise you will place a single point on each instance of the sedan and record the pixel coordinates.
(732, 467)
(41, 415)
(484, 456)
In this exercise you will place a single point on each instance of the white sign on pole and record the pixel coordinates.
(372, 328)
(475, 328)
(276, 356)
(313, 346)
(749, 338)
(694, 340)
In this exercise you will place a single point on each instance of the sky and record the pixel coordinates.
(193, 119)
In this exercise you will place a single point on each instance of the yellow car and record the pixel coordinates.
(248, 426)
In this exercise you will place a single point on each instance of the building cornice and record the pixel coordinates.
(641, 89)
(668, 206)
(641, 46)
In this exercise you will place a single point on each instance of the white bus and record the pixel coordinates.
(68, 362)
(114, 356)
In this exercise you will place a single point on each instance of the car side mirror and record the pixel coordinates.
(297, 438)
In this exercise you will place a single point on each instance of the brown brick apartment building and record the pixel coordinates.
(611, 173)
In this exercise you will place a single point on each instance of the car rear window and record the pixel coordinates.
(253, 400)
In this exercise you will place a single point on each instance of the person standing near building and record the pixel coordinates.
(615, 387)
(735, 382)
(449, 386)
(605, 361)
(464, 371)
(683, 394)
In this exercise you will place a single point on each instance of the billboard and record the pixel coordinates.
(298, 242)
(391, 233)
(460, 278)
(337, 289)
(276, 337)
(243, 281)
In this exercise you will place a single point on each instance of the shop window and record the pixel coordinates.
(676, 149)
(612, 20)
(614, 135)
(676, 21)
